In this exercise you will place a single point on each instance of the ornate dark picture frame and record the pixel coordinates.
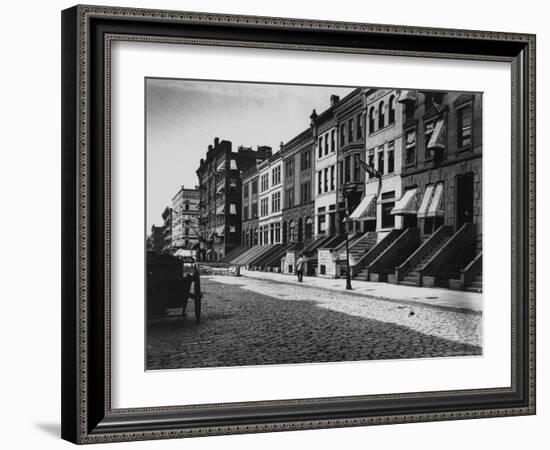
(87, 34)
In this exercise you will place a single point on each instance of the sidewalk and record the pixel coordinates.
(442, 298)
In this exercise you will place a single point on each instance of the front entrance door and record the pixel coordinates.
(464, 199)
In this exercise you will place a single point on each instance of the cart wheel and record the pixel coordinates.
(198, 307)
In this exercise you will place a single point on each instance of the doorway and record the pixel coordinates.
(464, 199)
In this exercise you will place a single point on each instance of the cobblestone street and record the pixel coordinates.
(248, 321)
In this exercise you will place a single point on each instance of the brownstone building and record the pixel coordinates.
(442, 160)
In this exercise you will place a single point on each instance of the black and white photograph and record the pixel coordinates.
(295, 224)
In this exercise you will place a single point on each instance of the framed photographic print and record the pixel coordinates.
(279, 224)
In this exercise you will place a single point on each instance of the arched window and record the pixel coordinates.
(381, 118)
(391, 114)
(371, 120)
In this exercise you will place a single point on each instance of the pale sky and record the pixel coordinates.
(183, 117)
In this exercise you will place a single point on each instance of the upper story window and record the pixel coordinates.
(356, 167)
(326, 144)
(359, 126)
(245, 191)
(391, 157)
(429, 128)
(254, 187)
(342, 134)
(391, 112)
(320, 147)
(276, 201)
(276, 176)
(371, 120)
(333, 141)
(289, 168)
(381, 117)
(305, 160)
(347, 169)
(350, 130)
(264, 180)
(381, 160)
(464, 127)
(410, 147)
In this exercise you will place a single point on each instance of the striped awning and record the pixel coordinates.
(220, 188)
(221, 166)
(407, 96)
(366, 210)
(423, 210)
(220, 230)
(436, 205)
(407, 203)
(437, 139)
(220, 209)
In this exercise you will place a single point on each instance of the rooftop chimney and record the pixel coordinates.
(333, 99)
(216, 141)
(210, 147)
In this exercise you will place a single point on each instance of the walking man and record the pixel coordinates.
(300, 265)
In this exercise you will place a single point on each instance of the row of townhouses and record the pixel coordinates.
(396, 172)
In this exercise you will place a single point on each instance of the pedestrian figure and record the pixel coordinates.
(300, 267)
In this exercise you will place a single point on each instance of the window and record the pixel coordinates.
(371, 120)
(254, 210)
(381, 118)
(356, 167)
(321, 221)
(276, 176)
(391, 113)
(187, 231)
(381, 160)
(332, 178)
(350, 130)
(245, 213)
(319, 182)
(325, 178)
(320, 147)
(347, 169)
(305, 160)
(464, 127)
(333, 141)
(359, 127)
(264, 206)
(289, 198)
(245, 192)
(429, 128)
(254, 187)
(341, 172)
(326, 144)
(276, 202)
(391, 157)
(342, 134)
(410, 147)
(289, 168)
(305, 192)
(264, 182)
